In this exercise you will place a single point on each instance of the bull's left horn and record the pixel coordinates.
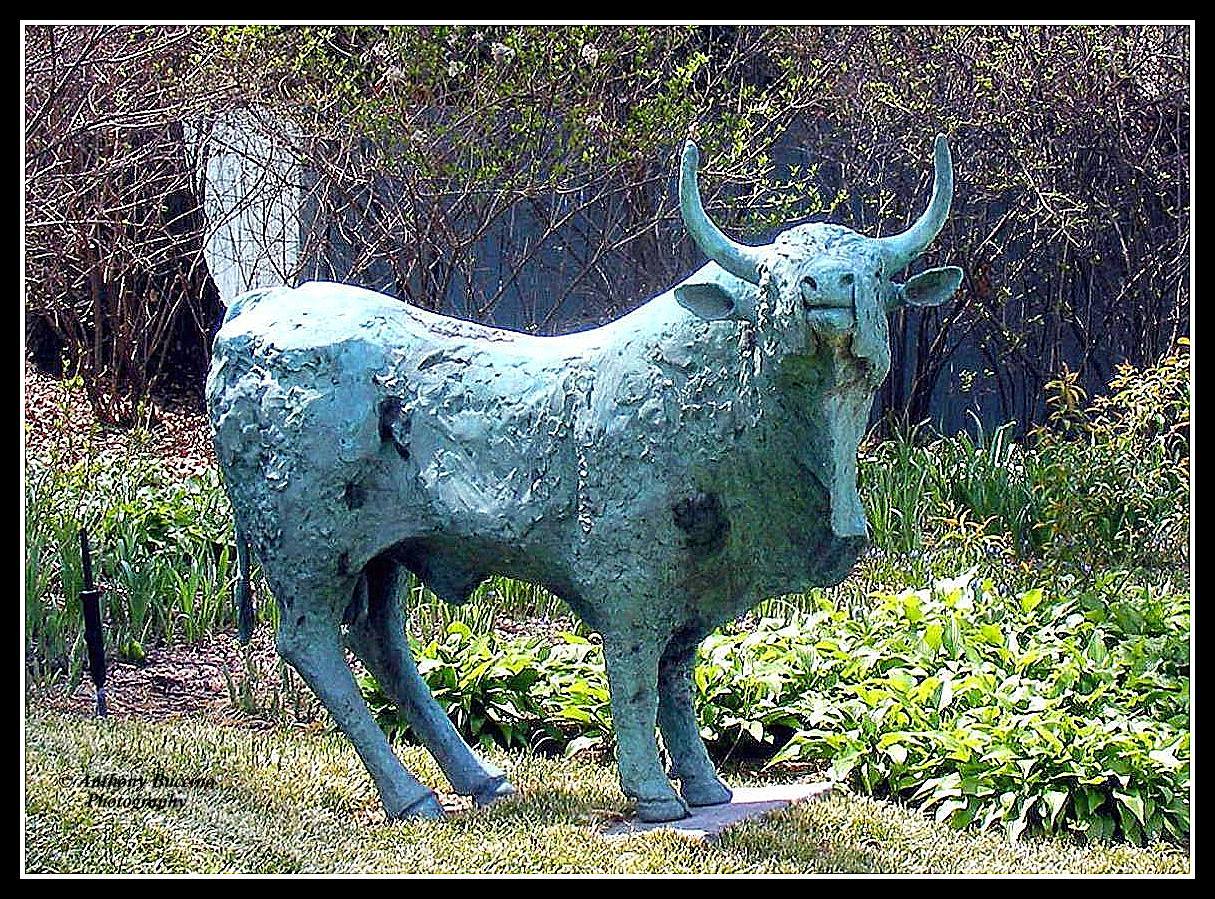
(739, 260)
(900, 249)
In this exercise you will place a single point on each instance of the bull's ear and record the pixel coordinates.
(709, 301)
(930, 288)
(715, 295)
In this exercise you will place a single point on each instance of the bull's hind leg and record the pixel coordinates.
(698, 780)
(312, 644)
(378, 638)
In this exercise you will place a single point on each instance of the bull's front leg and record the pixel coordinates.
(698, 779)
(632, 669)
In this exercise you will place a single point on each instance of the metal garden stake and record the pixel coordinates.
(93, 637)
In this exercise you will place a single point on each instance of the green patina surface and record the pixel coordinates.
(662, 473)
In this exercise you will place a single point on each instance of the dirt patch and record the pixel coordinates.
(215, 678)
(218, 679)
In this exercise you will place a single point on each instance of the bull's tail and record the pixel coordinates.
(243, 591)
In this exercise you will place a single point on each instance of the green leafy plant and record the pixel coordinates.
(1035, 712)
(1104, 485)
(517, 693)
(162, 551)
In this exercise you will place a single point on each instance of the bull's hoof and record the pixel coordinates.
(705, 792)
(427, 806)
(655, 810)
(492, 790)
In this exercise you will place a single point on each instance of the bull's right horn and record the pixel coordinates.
(900, 249)
(739, 260)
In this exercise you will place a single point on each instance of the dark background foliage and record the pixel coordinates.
(524, 176)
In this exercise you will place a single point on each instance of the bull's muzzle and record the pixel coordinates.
(864, 318)
(831, 322)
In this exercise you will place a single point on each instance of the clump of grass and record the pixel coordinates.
(163, 556)
(279, 696)
(1102, 485)
(495, 597)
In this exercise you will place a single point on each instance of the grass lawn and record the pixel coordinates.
(297, 801)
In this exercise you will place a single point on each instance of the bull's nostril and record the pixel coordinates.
(846, 280)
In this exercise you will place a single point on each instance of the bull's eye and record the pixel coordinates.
(811, 283)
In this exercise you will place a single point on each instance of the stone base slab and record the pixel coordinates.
(748, 803)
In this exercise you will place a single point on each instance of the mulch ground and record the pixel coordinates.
(60, 424)
(198, 679)
(201, 678)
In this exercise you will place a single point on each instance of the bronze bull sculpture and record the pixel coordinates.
(661, 474)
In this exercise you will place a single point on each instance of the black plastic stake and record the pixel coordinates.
(93, 637)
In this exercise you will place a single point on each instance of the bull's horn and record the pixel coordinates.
(739, 260)
(900, 249)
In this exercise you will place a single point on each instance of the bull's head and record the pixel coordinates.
(816, 291)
